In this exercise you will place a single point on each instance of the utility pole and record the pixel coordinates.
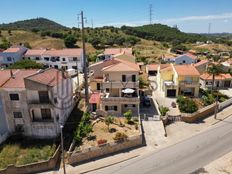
(150, 13)
(92, 23)
(216, 108)
(85, 61)
(62, 147)
(209, 28)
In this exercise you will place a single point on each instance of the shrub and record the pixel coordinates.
(101, 141)
(120, 136)
(109, 120)
(163, 110)
(70, 41)
(128, 115)
(186, 105)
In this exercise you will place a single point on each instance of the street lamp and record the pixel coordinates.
(62, 147)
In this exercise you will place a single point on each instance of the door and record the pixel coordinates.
(98, 86)
(171, 93)
(94, 107)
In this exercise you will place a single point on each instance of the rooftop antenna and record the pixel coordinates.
(150, 13)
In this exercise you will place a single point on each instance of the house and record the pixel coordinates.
(175, 80)
(152, 69)
(111, 52)
(202, 66)
(116, 82)
(36, 102)
(12, 55)
(221, 81)
(182, 59)
(69, 58)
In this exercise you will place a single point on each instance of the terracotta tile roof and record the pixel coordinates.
(70, 52)
(95, 98)
(50, 77)
(131, 64)
(127, 57)
(186, 70)
(5, 75)
(18, 80)
(114, 51)
(38, 52)
(119, 67)
(190, 55)
(202, 62)
(12, 50)
(165, 67)
(222, 76)
(152, 67)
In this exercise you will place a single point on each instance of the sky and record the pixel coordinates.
(189, 15)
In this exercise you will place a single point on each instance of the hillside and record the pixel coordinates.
(163, 33)
(33, 24)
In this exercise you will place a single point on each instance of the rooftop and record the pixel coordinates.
(50, 77)
(222, 76)
(70, 52)
(12, 50)
(32, 52)
(186, 70)
(202, 62)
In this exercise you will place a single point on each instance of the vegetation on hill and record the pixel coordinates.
(161, 32)
(35, 25)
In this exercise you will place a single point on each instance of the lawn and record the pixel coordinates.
(21, 151)
(102, 132)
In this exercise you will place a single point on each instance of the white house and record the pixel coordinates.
(109, 53)
(69, 58)
(36, 102)
(12, 55)
(182, 59)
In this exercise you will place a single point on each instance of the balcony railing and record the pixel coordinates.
(190, 83)
(108, 98)
(119, 84)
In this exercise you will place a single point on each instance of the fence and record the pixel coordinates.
(34, 167)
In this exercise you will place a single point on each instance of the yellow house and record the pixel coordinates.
(175, 80)
(118, 83)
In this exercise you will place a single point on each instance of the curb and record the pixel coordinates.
(221, 119)
(97, 168)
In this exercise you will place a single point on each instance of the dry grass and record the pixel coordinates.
(49, 43)
(100, 131)
(213, 47)
(89, 47)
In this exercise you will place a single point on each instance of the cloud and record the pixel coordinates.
(199, 18)
(226, 20)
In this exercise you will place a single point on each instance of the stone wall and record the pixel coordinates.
(200, 114)
(105, 149)
(34, 167)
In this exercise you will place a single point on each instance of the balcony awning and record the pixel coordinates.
(95, 98)
(128, 91)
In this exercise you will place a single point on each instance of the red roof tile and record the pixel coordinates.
(186, 70)
(95, 98)
(222, 76)
(70, 52)
(34, 52)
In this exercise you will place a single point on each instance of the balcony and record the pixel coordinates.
(170, 84)
(119, 84)
(107, 98)
(38, 104)
(189, 83)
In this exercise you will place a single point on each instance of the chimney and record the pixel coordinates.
(12, 74)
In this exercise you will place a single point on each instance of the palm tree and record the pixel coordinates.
(214, 70)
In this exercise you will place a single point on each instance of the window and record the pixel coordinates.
(50, 65)
(17, 114)
(107, 90)
(58, 59)
(46, 58)
(125, 105)
(14, 97)
(133, 78)
(56, 66)
(29, 58)
(74, 67)
(9, 59)
(123, 78)
(63, 59)
(115, 108)
(74, 58)
(111, 108)
(98, 86)
(106, 108)
(37, 58)
(183, 61)
(46, 114)
(43, 97)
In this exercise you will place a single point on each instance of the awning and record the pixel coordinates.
(95, 98)
(128, 91)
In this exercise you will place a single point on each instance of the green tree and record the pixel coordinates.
(5, 44)
(70, 41)
(214, 70)
(26, 64)
(109, 120)
(26, 44)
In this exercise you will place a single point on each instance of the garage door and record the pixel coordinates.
(171, 93)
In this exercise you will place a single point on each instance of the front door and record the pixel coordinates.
(94, 107)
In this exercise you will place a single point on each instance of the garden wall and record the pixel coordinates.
(225, 104)
(34, 167)
(200, 114)
(105, 149)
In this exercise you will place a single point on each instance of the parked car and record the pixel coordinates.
(146, 101)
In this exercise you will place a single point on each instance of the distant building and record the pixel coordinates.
(111, 52)
(12, 55)
(202, 66)
(36, 102)
(69, 58)
(182, 59)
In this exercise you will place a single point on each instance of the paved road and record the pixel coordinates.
(182, 158)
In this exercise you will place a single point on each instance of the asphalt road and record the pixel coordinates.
(182, 158)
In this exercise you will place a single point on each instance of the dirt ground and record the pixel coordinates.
(101, 131)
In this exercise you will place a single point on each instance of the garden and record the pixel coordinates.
(96, 132)
(21, 151)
